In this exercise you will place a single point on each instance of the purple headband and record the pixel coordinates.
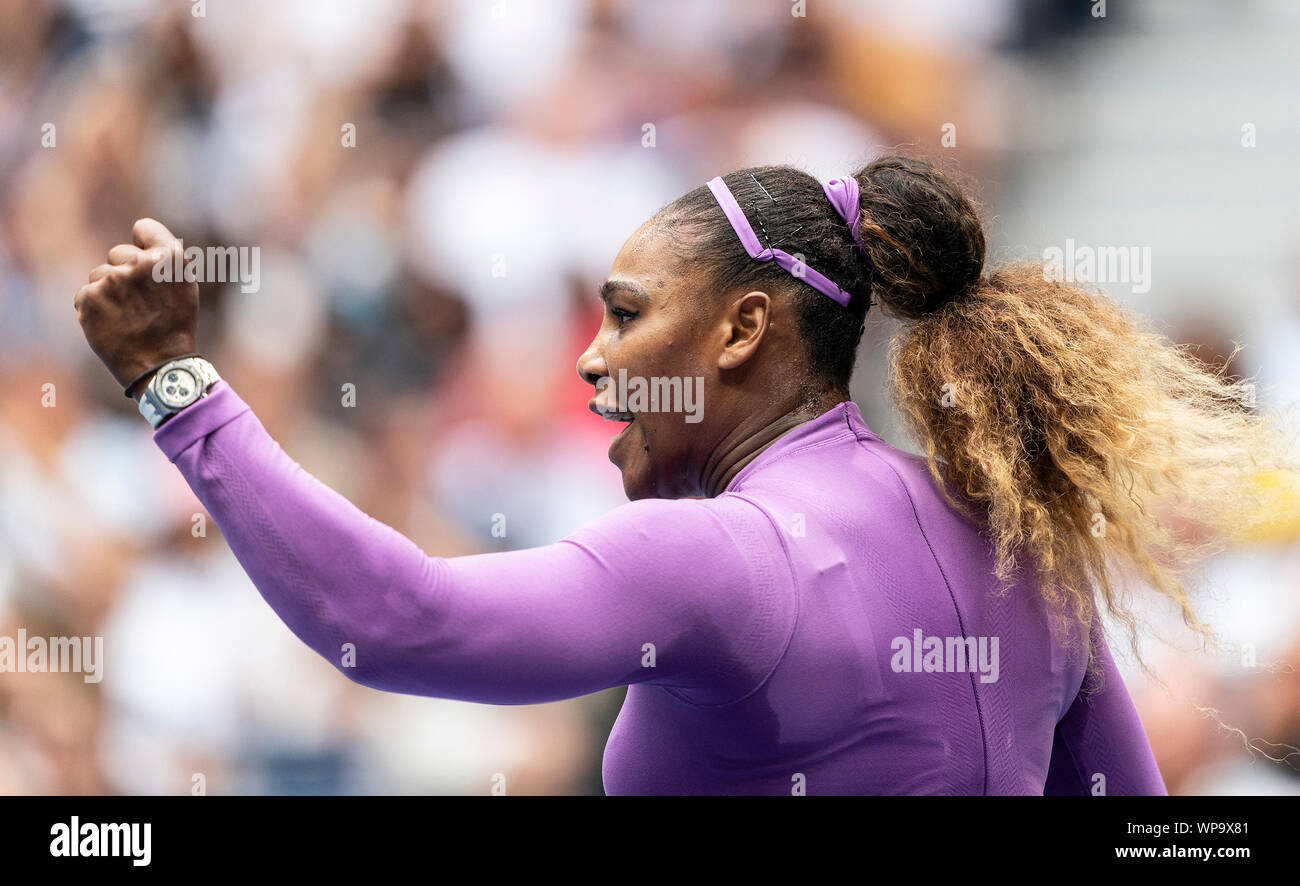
(844, 197)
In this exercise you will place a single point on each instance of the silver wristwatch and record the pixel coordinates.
(176, 385)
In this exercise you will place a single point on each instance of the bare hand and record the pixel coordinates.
(131, 321)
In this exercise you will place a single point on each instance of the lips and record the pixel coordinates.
(609, 411)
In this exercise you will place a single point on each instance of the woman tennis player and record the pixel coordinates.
(795, 605)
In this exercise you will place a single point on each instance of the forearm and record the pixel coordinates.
(327, 569)
(515, 627)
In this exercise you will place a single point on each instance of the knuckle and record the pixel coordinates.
(143, 268)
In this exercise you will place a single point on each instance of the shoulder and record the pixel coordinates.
(724, 529)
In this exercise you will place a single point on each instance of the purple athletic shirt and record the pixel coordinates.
(778, 638)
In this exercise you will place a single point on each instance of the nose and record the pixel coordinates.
(591, 364)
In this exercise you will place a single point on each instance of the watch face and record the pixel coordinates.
(178, 387)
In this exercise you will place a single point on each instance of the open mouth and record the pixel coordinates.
(626, 417)
(609, 410)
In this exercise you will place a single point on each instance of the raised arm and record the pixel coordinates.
(690, 587)
(692, 595)
(1100, 746)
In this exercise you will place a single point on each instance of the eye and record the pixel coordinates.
(622, 315)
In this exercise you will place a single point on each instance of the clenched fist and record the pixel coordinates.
(131, 321)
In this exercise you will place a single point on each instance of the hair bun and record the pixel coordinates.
(923, 233)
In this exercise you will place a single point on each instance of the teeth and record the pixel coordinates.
(618, 416)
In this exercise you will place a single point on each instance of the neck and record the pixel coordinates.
(751, 436)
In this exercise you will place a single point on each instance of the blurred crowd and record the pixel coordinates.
(437, 190)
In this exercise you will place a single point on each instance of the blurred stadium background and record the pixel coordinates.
(518, 128)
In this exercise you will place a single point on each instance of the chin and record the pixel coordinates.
(637, 487)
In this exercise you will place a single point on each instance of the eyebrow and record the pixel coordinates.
(609, 287)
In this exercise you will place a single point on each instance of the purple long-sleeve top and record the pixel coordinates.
(799, 632)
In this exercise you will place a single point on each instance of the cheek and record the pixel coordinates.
(637, 356)
(674, 355)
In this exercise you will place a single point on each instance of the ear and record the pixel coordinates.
(743, 327)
